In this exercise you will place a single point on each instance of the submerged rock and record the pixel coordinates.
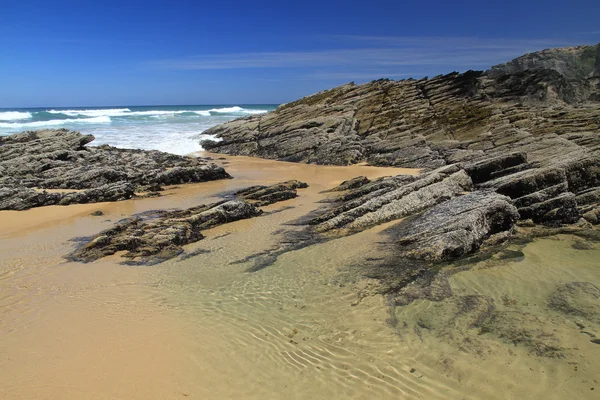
(577, 299)
(60, 159)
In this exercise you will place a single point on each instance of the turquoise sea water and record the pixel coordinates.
(174, 129)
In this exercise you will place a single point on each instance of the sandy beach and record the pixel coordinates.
(306, 326)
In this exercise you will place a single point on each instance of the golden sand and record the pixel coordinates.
(205, 328)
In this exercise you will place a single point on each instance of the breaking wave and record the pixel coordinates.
(174, 129)
(56, 122)
(14, 115)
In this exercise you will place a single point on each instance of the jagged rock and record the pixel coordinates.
(109, 192)
(25, 198)
(351, 184)
(159, 236)
(485, 170)
(402, 197)
(428, 123)
(265, 195)
(156, 236)
(528, 129)
(456, 227)
(59, 159)
(592, 216)
(574, 63)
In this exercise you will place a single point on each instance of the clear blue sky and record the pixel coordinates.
(76, 53)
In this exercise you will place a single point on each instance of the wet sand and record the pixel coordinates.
(203, 327)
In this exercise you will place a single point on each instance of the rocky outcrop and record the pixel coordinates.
(156, 236)
(60, 159)
(264, 195)
(25, 198)
(389, 199)
(574, 63)
(428, 123)
(528, 129)
(457, 227)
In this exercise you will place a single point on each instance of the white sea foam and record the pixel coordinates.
(177, 130)
(157, 112)
(227, 109)
(236, 110)
(55, 122)
(246, 111)
(202, 136)
(14, 115)
(109, 112)
(126, 112)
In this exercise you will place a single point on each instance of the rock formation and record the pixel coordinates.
(264, 195)
(156, 236)
(528, 129)
(60, 159)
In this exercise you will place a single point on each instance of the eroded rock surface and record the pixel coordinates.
(456, 227)
(265, 195)
(427, 123)
(528, 129)
(156, 236)
(60, 159)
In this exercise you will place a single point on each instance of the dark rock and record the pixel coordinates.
(59, 159)
(351, 184)
(483, 171)
(265, 195)
(25, 198)
(428, 123)
(155, 236)
(109, 192)
(456, 227)
(159, 236)
(97, 213)
(528, 129)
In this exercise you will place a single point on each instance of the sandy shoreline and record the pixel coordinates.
(205, 328)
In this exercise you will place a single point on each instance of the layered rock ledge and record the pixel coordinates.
(156, 236)
(33, 161)
(528, 129)
(518, 142)
(540, 100)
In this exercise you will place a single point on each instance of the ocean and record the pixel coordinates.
(173, 129)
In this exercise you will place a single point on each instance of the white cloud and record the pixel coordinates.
(362, 55)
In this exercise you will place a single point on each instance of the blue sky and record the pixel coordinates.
(80, 53)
